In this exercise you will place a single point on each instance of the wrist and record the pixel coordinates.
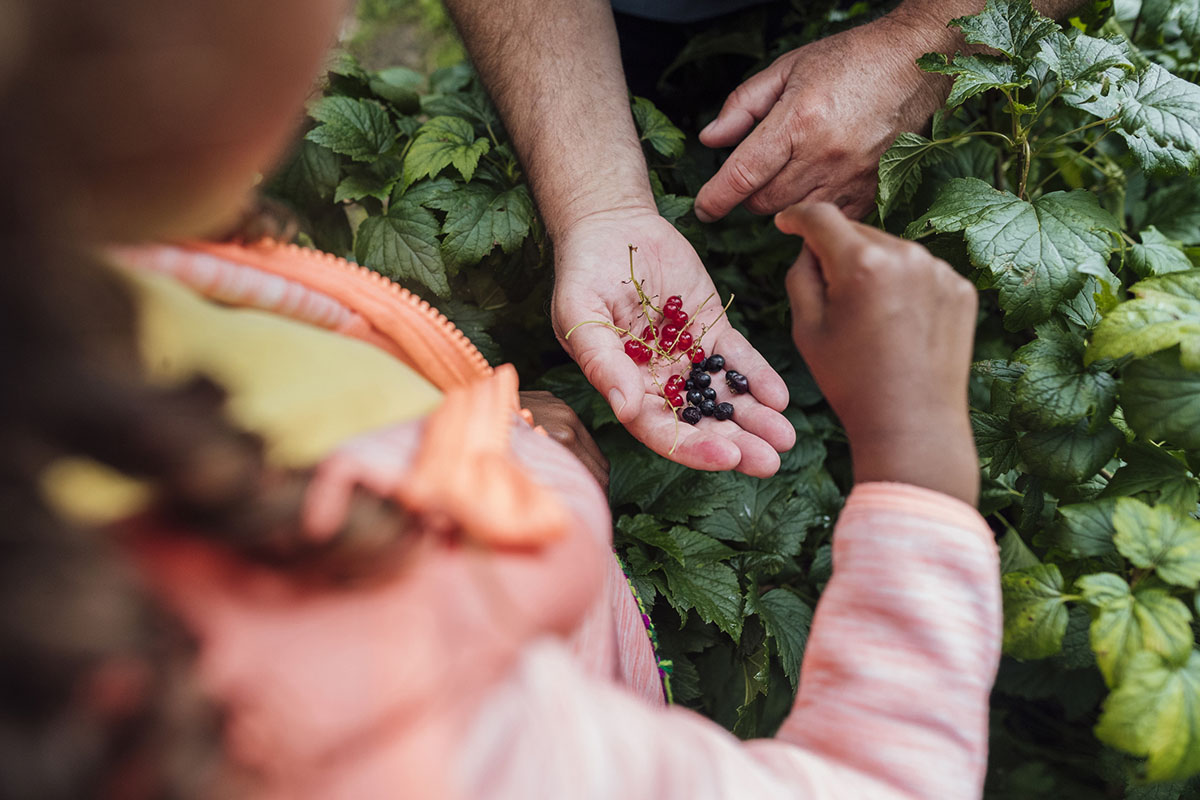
(939, 455)
(600, 206)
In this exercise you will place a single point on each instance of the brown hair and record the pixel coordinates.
(98, 698)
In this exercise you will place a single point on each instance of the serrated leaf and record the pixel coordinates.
(1015, 555)
(481, 217)
(1158, 538)
(709, 588)
(1155, 713)
(360, 184)
(1035, 616)
(1175, 211)
(360, 129)
(1160, 120)
(1157, 255)
(1011, 26)
(996, 441)
(425, 193)
(400, 86)
(475, 323)
(787, 619)
(762, 514)
(1166, 313)
(312, 175)
(403, 245)
(900, 169)
(1071, 454)
(656, 130)
(441, 142)
(1149, 469)
(686, 546)
(1084, 530)
(1036, 253)
(671, 206)
(1126, 623)
(973, 74)
(665, 489)
(1056, 389)
(1161, 400)
(1074, 56)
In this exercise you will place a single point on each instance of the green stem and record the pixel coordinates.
(1078, 154)
(1080, 129)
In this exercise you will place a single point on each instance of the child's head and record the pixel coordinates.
(151, 118)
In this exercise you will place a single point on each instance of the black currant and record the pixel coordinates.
(691, 415)
(701, 379)
(715, 363)
(709, 394)
(738, 383)
(694, 397)
(723, 410)
(689, 384)
(708, 408)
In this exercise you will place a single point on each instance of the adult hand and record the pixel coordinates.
(813, 125)
(564, 426)
(593, 284)
(887, 331)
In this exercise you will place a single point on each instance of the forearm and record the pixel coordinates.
(554, 72)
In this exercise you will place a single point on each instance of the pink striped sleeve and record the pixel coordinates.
(893, 697)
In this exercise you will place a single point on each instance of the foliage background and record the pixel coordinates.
(1061, 175)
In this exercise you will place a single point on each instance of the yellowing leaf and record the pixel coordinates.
(1159, 539)
(1035, 617)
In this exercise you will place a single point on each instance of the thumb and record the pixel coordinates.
(599, 353)
(745, 106)
(806, 291)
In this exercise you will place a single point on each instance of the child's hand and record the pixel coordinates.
(565, 427)
(887, 331)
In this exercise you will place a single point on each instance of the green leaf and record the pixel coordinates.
(440, 142)
(1155, 713)
(787, 619)
(428, 193)
(361, 129)
(764, 515)
(1175, 211)
(672, 206)
(403, 245)
(1161, 400)
(1160, 120)
(900, 169)
(656, 130)
(1036, 253)
(1126, 623)
(686, 546)
(311, 176)
(973, 74)
(1011, 26)
(996, 441)
(1075, 57)
(1166, 313)
(1035, 617)
(711, 589)
(1153, 471)
(1056, 389)
(665, 489)
(400, 87)
(1084, 530)
(480, 218)
(1071, 454)
(363, 183)
(1157, 538)
(1157, 255)
(1015, 555)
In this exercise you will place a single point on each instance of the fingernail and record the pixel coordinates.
(709, 127)
(617, 401)
(701, 214)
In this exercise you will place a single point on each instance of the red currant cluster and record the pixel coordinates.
(671, 335)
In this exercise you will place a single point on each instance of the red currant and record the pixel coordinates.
(681, 318)
(684, 342)
(675, 399)
(669, 332)
(648, 334)
(643, 356)
(631, 349)
(674, 300)
(698, 355)
(674, 384)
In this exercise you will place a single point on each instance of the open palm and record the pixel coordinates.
(594, 284)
